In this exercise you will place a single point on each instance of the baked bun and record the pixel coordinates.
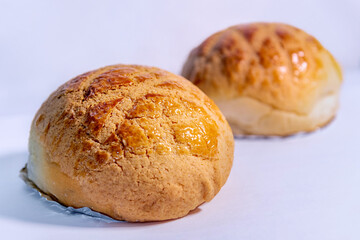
(267, 78)
(136, 143)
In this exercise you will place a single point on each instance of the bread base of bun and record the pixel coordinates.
(49, 178)
(248, 116)
(47, 175)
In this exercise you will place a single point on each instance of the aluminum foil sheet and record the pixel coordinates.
(53, 202)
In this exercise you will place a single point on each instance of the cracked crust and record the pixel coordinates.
(277, 65)
(136, 143)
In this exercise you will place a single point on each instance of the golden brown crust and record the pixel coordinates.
(256, 60)
(276, 64)
(141, 143)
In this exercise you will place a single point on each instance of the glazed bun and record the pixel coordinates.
(267, 78)
(136, 143)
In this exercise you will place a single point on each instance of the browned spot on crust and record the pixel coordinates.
(207, 45)
(171, 84)
(247, 31)
(74, 84)
(154, 95)
(101, 157)
(112, 138)
(145, 108)
(133, 137)
(112, 79)
(269, 54)
(92, 162)
(115, 146)
(39, 119)
(143, 77)
(282, 33)
(97, 114)
(153, 132)
(150, 105)
(87, 145)
(46, 130)
(116, 151)
(159, 73)
(226, 41)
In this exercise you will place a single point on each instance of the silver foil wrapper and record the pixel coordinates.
(62, 208)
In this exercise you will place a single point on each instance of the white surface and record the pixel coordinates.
(45, 43)
(302, 187)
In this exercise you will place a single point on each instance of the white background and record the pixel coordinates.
(305, 187)
(45, 43)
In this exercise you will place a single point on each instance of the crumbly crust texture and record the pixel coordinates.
(136, 143)
(276, 64)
